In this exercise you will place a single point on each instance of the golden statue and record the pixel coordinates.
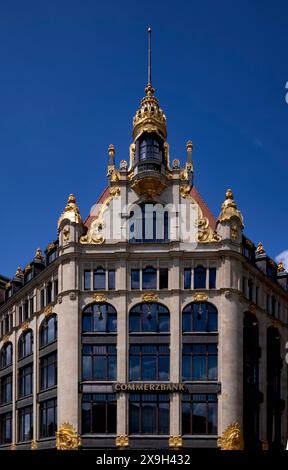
(232, 438)
(67, 438)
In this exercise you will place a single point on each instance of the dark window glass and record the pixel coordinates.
(212, 278)
(87, 280)
(55, 288)
(25, 378)
(268, 303)
(199, 414)
(31, 302)
(6, 428)
(6, 389)
(199, 316)
(99, 318)
(25, 344)
(25, 427)
(49, 293)
(244, 286)
(111, 279)
(150, 148)
(150, 223)
(273, 305)
(200, 277)
(163, 278)
(42, 298)
(187, 278)
(48, 371)
(149, 362)
(257, 295)
(99, 362)
(149, 278)
(99, 413)
(48, 331)
(149, 414)
(99, 279)
(135, 279)
(6, 356)
(48, 418)
(199, 362)
(25, 310)
(149, 317)
(250, 290)
(20, 315)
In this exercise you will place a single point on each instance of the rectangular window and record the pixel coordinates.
(273, 305)
(48, 371)
(49, 293)
(99, 413)
(31, 302)
(111, 279)
(257, 295)
(163, 278)
(55, 289)
(99, 279)
(199, 414)
(25, 424)
(187, 278)
(25, 310)
(149, 362)
(48, 418)
(244, 285)
(25, 377)
(135, 279)
(20, 315)
(149, 414)
(199, 362)
(6, 389)
(212, 278)
(200, 277)
(6, 428)
(42, 298)
(250, 290)
(149, 278)
(87, 280)
(99, 362)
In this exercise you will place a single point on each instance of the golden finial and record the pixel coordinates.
(8, 285)
(19, 272)
(260, 249)
(280, 267)
(27, 268)
(189, 146)
(111, 150)
(39, 254)
(229, 209)
(71, 211)
(71, 199)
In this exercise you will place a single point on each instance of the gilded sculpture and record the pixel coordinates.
(122, 441)
(232, 438)
(67, 438)
(176, 442)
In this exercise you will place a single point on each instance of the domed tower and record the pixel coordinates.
(149, 162)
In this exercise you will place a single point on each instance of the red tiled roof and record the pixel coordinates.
(194, 193)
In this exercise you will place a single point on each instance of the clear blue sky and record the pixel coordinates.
(72, 75)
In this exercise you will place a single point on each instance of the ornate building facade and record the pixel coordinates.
(151, 324)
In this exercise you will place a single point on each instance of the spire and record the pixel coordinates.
(71, 212)
(149, 57)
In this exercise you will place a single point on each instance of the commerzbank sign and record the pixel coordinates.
(150, 387)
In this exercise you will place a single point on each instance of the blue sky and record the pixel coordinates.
(72, 75)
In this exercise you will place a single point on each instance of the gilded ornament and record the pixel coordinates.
(110, 170)
(149, 117)
(232, 438)
(149, 297)
(94, 235)
(123, 165)
(99, 298)
(67, 438)
(229, 209)
(185, 191)
(176, 164)
(115, 176)
(234, 232)
(34, 444)
(51, 247)
(115, 191)
(25, 326)
(48, 310)
(200, 297)
(71, 212)
(66, 234)
(176, 442)
(280, 267)
(260, 249)
(249, 243)
(39, 254)
(5, 339)
(8, 285)
(122, 441)
(27, 268)
(149, 186)
(265, 445)
(19, 273)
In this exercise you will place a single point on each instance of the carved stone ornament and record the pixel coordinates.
(234, 232)
(122, 441)
(94, 235)
(66, 234)
(47, 310)
(34, 444)
(200, 297)
(149, 297)
(67, 438)
(72, 296)
(25, 326)
(60, 299)
(123, 165)
(229, 209)
(175, 442)
(99, 298)
(115, 191)
(232, 438)
(176, 164)
(227, 294)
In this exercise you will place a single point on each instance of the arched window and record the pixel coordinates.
(48, 331)
(6, 355)
(149, 279)
(101, 318)
(200, 277)
(25, 344)
(99, 279)
(151, 148)
(149, 317)
(199, 316)
(251, 398)
(149, 223)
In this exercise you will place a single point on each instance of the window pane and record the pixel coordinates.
(163, 278)
(99, 279)
(149, 278)
(212, 278)
(135, 279)
(200, 278)
(187, 278)
(111, 279)
(87, 280)
(199, 418)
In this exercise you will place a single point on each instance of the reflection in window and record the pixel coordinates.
(48, 331)
(149, 414)
(99, 413)
(135, 278)
(25, 344)
(6, 355)
(149, 317)
(149, 223)
(199, 414)
(99, 279)
(199, 362)
(149, 278)
(187, 278)
(48, 371)
(25, 381)
(100, 318)
(87, 280)
(99, 362)
(149, 362)
(199, 316)
(6, 428)
(25, 419)
(48, 418)
(212, 278)
(111, 279)
(6, 389)
(200, 277)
